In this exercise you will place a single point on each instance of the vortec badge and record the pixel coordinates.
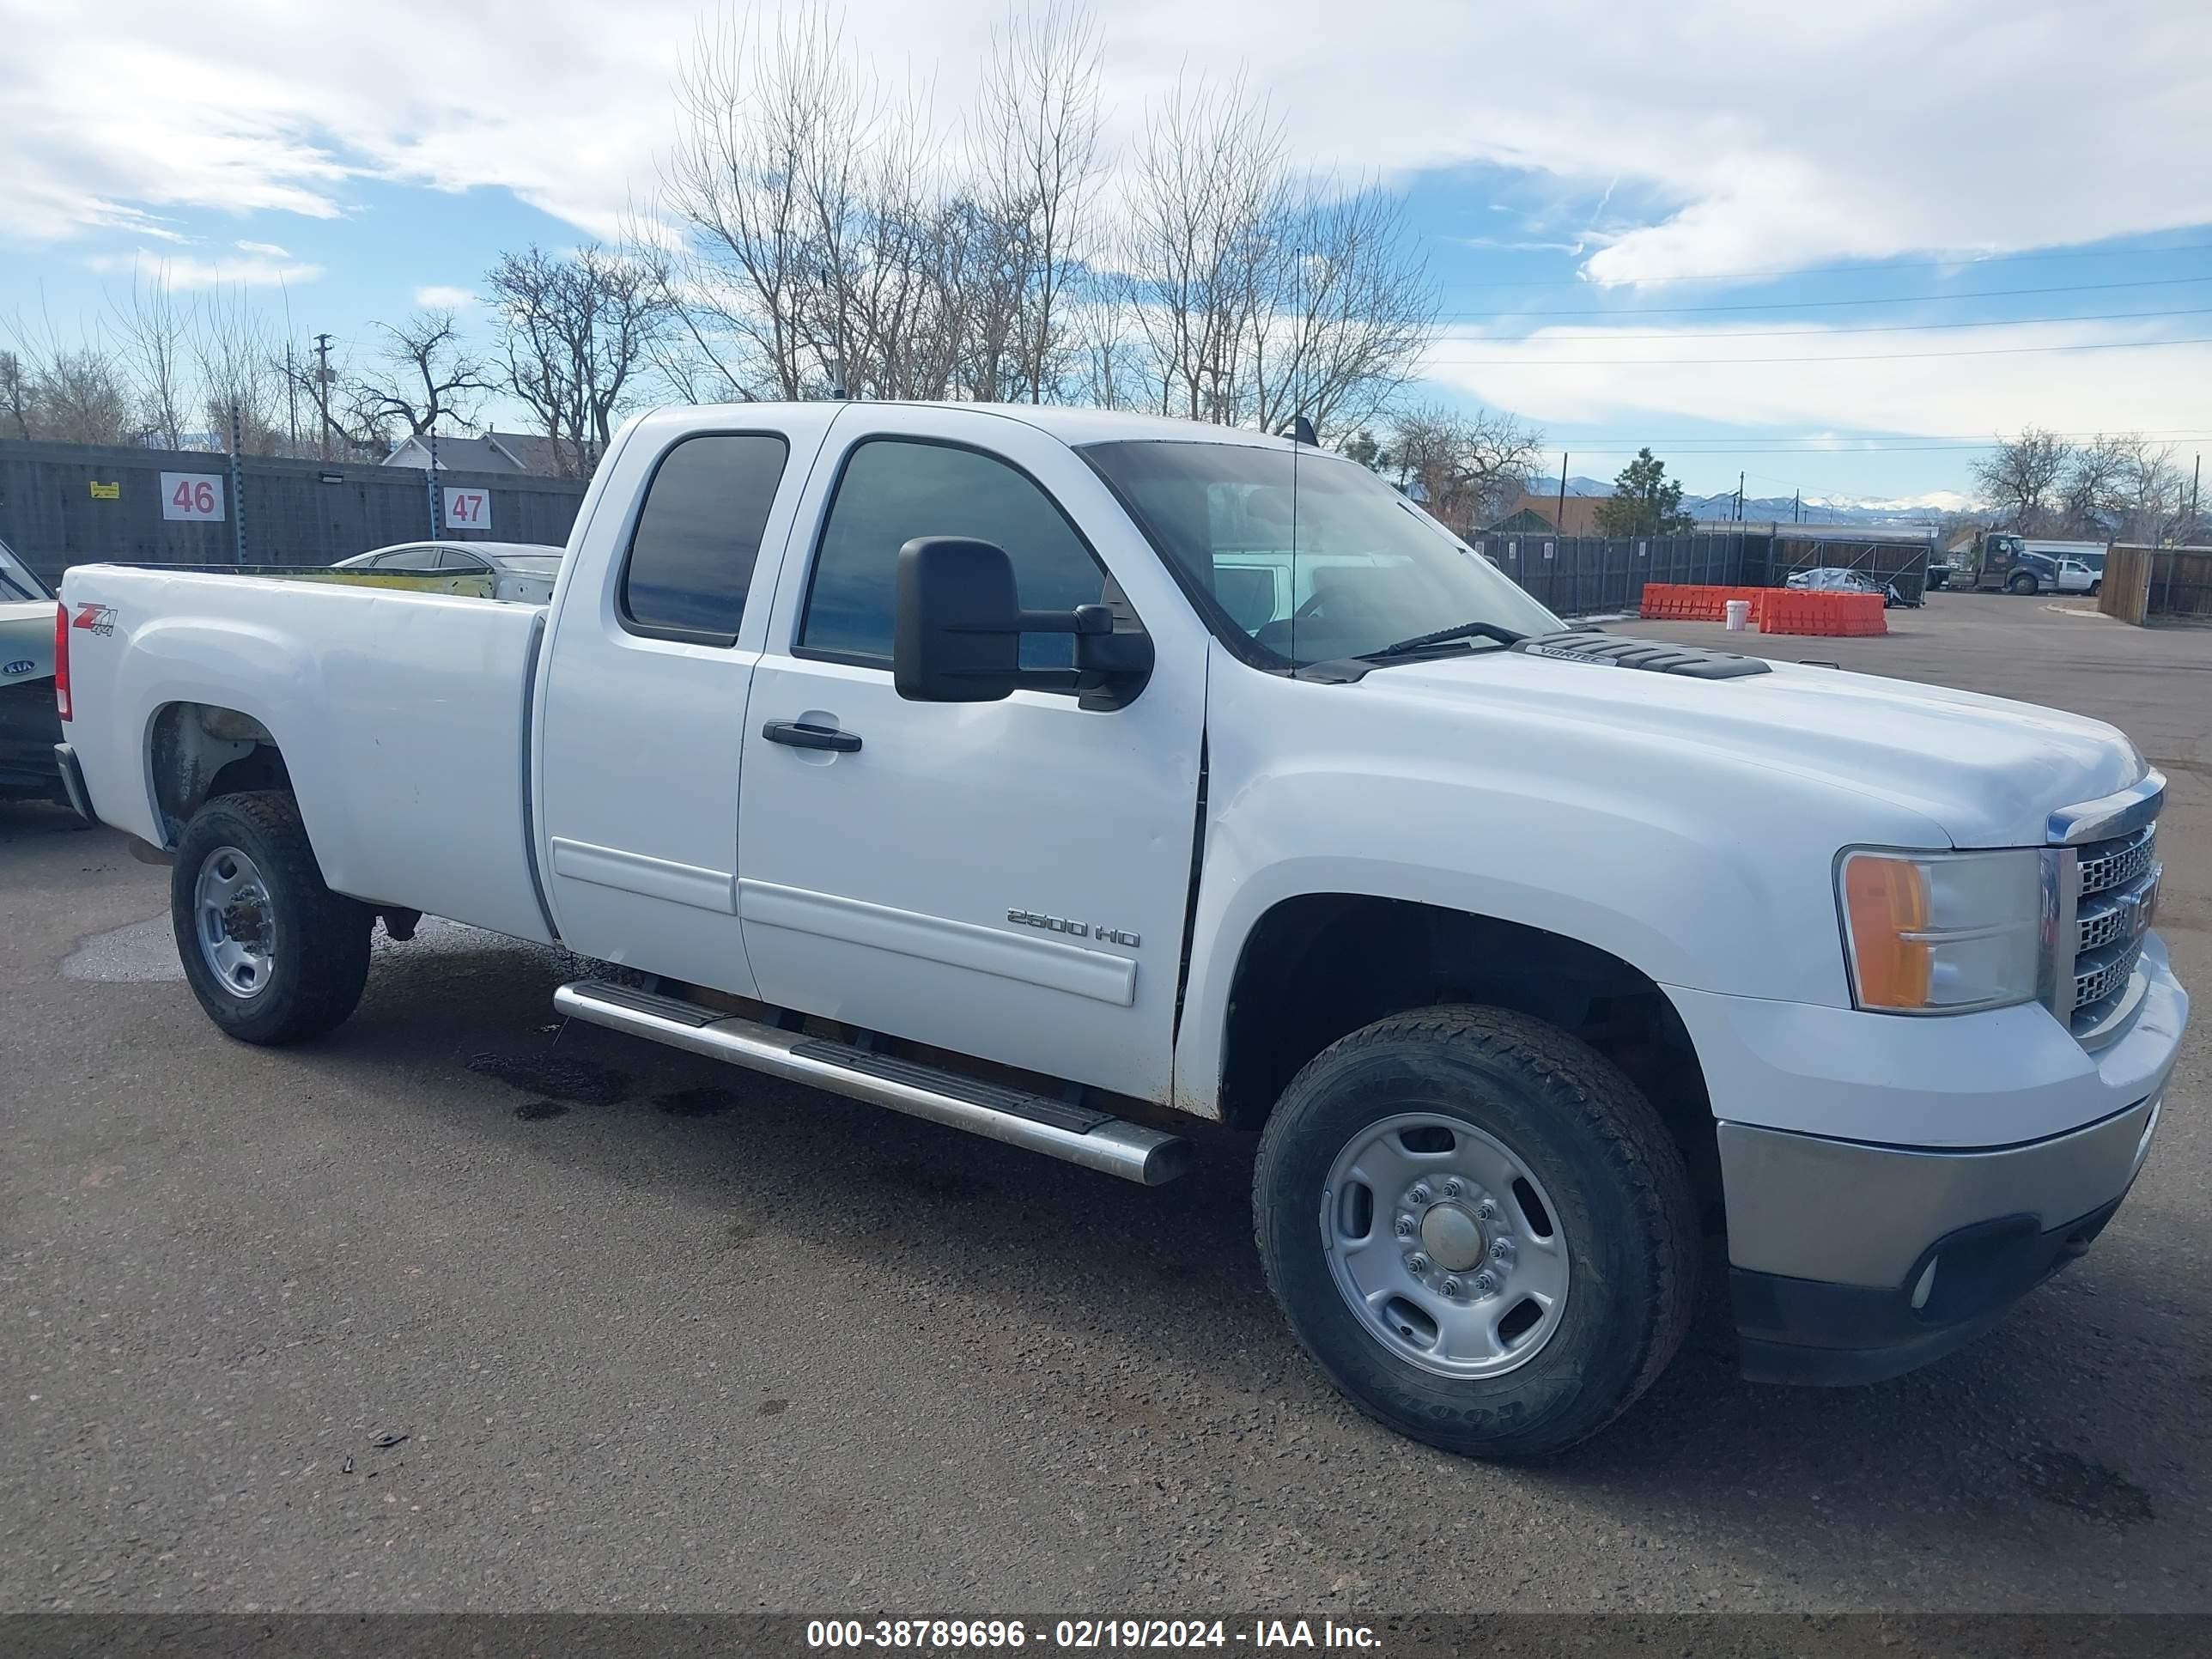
(95, 618)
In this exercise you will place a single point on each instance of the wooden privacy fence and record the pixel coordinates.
(2156, 584)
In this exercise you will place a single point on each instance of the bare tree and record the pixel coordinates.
(240, 378)
(1468, 469)
(2093, 489)
(1208, 188)
(158, 354)
(577, 331)
(1037, 140)
(762, 181)
(15, 405)
(1351, 310)
(429, 376)
(63, 392)
(2154, 495)
(2019, 477)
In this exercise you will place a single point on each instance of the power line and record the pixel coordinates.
(1884, 328)
(1886, 300)
(1863, 357)
(1860, 268)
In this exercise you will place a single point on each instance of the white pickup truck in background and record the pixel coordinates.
(1051, 773)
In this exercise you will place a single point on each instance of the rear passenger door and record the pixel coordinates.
(645, 685)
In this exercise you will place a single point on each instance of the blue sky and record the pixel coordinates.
(1916, 214)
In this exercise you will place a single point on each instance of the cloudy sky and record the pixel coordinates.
(1834, 245)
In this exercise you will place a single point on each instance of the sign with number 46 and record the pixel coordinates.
(468, 509)
(191, 496)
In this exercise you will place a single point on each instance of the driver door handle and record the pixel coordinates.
(798, 734)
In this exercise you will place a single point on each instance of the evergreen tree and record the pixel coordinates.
(1644, 501)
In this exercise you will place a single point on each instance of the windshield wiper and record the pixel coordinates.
(1445, 636)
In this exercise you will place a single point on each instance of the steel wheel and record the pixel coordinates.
(234, 922)
(1444, 1245)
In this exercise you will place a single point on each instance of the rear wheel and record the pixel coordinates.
(1479, 1228)
(271, 953)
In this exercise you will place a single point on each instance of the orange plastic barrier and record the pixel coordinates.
(1773, 609)
(1697, 602)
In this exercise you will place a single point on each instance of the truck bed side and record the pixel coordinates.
(401, 719)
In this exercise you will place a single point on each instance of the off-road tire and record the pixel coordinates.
(321, 938)
(1605, 1159)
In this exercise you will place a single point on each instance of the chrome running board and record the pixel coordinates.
(1075, 1134)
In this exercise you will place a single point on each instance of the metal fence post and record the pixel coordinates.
(237, 491)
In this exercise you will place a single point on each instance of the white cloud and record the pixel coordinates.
(442, 296)
(185, 271)
(1767, 134)
(268, 249)
(1859, 383)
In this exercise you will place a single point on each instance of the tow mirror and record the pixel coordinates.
(956, 632)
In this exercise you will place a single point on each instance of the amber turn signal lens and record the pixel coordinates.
(1887, 902)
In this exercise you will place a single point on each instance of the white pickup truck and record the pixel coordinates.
(1052, 773)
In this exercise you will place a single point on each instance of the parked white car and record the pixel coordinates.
(521, 571)
(1050, 773)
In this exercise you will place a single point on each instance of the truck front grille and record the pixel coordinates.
(2109, 892)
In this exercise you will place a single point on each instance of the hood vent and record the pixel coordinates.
(1612, 651)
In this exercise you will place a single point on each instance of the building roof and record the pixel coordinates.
(494, 452)
(1580, 518)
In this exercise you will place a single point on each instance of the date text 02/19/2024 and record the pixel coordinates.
(1085, 1635)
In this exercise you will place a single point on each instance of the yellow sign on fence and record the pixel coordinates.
(107, 492)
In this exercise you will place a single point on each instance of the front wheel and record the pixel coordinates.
(1479, 1228)
(2023, 584)
(271, 953)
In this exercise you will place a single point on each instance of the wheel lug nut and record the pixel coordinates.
(1419, 1264)
(1420, 1194)
(1451, 1189)
(1501, 1249)
(1485, 1283)
(1452, 1287)
(1404, 1226)
(1486, 1210)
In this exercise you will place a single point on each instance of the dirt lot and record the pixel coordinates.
(656, 1332)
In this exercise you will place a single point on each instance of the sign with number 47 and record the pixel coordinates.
(191, 496)
(467, 509)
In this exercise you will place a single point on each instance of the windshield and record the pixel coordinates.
(16, 581)
(1371, 569)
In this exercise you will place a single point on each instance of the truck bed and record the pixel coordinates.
(403, 718)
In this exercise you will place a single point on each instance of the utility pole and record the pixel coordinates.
(323, 392)
(1559, 519)
(1796, 507)
(1739, 498)
(291, 400)
(430, 480)
(2196, 478)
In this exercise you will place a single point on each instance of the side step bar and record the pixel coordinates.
(1073, 1134)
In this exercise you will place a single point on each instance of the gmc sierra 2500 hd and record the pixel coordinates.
(1047, 773)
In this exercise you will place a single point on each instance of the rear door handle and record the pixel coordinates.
(798, 734)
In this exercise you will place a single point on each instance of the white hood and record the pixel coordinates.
(1988, 771)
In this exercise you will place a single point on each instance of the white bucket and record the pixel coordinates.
(1738, 612)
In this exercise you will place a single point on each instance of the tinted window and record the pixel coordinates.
(411, 561)
(454, 559)
(894, 490)
(698, 536)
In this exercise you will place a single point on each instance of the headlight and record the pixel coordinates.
(1941, 932)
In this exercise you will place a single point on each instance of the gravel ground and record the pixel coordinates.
(457, 1310)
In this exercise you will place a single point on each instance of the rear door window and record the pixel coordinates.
(698, 537)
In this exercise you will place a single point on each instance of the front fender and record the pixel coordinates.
(1692, 868)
